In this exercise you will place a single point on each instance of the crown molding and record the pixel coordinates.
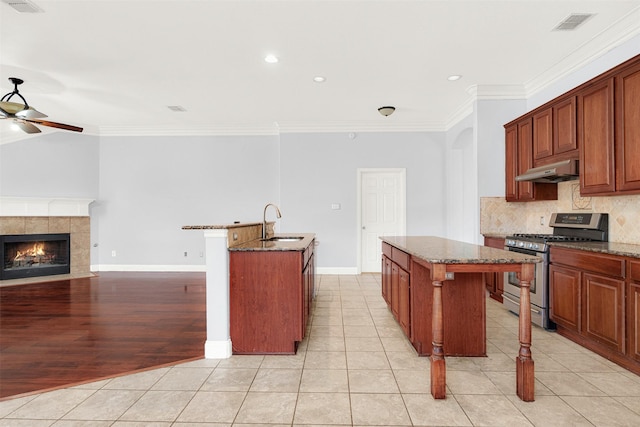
(616, 35)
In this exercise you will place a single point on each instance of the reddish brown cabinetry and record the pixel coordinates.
(519, 159)
(411, 305)
(592, 301)
(494, 282)
(628, 129)
(270, 299)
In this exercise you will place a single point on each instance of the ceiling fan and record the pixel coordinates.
(23, 115)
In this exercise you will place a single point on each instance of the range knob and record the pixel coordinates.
(521, 244)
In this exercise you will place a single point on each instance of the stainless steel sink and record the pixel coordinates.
(283, 239)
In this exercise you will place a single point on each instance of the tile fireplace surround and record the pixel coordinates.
(35, 216)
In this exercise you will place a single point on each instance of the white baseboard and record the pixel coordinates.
(160, 268)
(201, 268)
(217, 349)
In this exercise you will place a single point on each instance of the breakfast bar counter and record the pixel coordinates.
(443, 258)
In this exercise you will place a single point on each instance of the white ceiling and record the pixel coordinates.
(114, 66)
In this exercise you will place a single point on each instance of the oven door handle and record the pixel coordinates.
(533, 310)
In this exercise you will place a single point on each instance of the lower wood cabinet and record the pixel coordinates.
(494, 282)
(270, 299)
(408, 290)
(595, 301)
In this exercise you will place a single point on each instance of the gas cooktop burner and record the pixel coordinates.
(550, 237)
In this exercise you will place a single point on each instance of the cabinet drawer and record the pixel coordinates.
(634, 270)
(386, 249)
(589, 261)
(400, 258)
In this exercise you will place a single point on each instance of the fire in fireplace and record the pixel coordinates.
(33, 255)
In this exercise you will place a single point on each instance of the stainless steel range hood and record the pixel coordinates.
(564, 170)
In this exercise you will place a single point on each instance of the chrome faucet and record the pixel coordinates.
(264, 218)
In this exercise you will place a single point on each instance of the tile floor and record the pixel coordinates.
(356, 369)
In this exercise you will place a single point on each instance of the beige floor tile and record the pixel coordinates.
(183, 379)
(363, 343)
(427, 411)
(413, 381)
(407, 360)
(158, 406)
(613, 383)
(8, 406)
(603, 411)
(282, 361)
(323, 408)
(105, 405)
(325, 360)
(396, 344)
(367, 360)
(567, 384)
(326, 344)
(324, 380)
(379, 409)
(470, 382)
(51, 405)
(327, 331)
(580, 362)
(506, 383)
(632, 403)
(360, 331)
(372, 381)
(140, 381)
(241, 361)
(277, 380)
(550, 411)
(234, 379)
(213, 407)
(267, 408)
(326, 320)
(491, 410)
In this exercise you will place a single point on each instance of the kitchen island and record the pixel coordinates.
(442, 259)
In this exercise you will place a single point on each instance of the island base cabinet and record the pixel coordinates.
(463, 309)
(267, 310)
(633, 311)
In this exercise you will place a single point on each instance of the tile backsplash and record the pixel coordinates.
(499, 217)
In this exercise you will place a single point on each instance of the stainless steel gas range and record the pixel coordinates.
(567, 227)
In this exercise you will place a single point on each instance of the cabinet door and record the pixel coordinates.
(633, 320)
(564, 296)
(603, 310)
(595, 137)
(386, 279)
(542, 135)
(511, 163)
(564, 127)
(403, 304)
(395, 289)
(525, 157)
(628, 129)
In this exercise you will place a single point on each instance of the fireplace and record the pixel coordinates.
(33, 255)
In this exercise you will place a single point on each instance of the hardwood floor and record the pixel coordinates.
(72, 331)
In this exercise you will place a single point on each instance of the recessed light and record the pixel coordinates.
(271, 59)
(319, 79)
(454, 77)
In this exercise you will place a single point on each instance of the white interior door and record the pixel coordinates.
(382, 212)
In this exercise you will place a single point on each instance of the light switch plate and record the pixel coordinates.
(335, 206)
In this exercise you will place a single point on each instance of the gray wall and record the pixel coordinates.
(63, 165)
(151, 186)
(319, 169)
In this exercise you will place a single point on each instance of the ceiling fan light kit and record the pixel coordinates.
(386, 110)
(24, 115)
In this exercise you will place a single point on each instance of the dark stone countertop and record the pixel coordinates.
(438, 250)
(609, 248)
(220, 226)
(260, 245)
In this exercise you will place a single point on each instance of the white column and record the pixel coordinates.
(218, 344)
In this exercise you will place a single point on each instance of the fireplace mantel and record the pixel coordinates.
(36, 206)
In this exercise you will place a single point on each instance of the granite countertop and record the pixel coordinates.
(260, 245)
(438, 250)
(610, 248)
(220, 226)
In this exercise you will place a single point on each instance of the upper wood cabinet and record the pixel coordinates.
(519, 159)
(596, 138)
(628, 129)
(554, 132)
(597, 122)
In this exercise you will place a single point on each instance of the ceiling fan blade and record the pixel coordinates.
(56, 125)
(27, 127)
(30, 113)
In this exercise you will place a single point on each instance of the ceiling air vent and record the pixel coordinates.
(572, 21)
(177, 108)
(24, 6)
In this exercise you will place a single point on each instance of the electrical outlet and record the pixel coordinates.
(541, 220)
(185, 253)
(113, 253)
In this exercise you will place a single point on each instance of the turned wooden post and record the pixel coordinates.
(438, 367)
(525, 380)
